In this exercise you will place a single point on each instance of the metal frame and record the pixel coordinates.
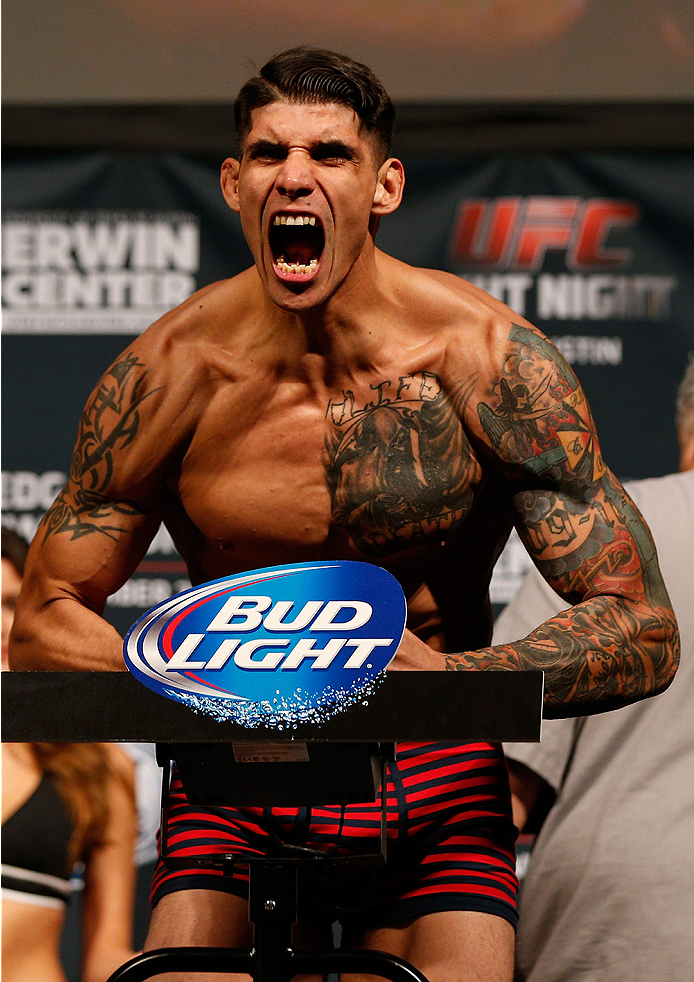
(272, 910)
(463, 707)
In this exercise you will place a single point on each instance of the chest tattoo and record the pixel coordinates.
(399, 468)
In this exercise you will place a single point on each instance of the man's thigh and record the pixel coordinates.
(214, 919)
(450, 946)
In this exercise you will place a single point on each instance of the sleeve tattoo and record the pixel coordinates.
(110, 422)
(583, 533)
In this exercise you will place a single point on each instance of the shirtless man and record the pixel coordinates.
(332, 402)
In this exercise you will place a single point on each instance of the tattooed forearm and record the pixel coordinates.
(619, 642)
(599, 655)
(109, 423)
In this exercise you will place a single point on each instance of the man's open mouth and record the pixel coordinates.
(297, 243)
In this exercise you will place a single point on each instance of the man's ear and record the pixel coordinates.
(389, 187)
(229, 180)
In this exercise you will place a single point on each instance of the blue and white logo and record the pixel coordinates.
(274, 646)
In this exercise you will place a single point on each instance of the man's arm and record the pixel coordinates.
(526, 788)
(536, 770)
(94, 535)
(618, 642)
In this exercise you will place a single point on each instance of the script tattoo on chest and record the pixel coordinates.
(399, 467)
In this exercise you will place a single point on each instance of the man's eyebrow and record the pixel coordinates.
(333, 148)
(264, 146)
(319, 149)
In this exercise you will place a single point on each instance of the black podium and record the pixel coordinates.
(461, 707)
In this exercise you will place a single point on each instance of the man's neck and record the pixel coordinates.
(349, 327)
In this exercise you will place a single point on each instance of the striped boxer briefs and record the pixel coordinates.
(450, 842)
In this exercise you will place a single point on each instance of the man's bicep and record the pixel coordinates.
(100, 525)
(579, 526)
(618, 640)
(87, 547)
(590, 540)
(98, 529)
(534, 603)
(75, 562)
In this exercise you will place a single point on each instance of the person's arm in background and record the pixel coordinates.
(527, 787)
(533, 768)
(109, 879)
(148, 778)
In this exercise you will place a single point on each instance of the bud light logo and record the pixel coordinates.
(274, 646)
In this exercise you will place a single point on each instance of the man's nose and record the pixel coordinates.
(295, 178)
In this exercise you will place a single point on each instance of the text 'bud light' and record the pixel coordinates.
(274, 646)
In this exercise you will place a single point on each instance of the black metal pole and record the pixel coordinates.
(380, 963)
(237, 960)
(161, 960)
(272, 911)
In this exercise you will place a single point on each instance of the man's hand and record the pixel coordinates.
(416, 656)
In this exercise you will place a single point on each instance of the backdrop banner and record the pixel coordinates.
(594, 249)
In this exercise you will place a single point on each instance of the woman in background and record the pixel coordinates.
(62, 804)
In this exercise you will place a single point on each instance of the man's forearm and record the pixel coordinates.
(64, 636)
(603, 653)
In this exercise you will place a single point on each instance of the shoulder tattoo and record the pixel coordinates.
(109, 423)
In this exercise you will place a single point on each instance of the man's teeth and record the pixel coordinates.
(295, 268)
(295, 220)
(286, 267)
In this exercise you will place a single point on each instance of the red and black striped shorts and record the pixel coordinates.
(450, 841)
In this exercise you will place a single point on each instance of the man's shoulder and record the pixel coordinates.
(449, 301)
(446, 291)
(169, 371)
(209, 314)
(476, 329)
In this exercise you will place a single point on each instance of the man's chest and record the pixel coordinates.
(387, 466)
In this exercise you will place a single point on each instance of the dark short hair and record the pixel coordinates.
(14, 548)
(312, 75)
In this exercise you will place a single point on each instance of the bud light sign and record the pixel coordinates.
(274, 646)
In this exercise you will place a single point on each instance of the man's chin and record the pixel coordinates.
(295, 292)
(296, 302)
